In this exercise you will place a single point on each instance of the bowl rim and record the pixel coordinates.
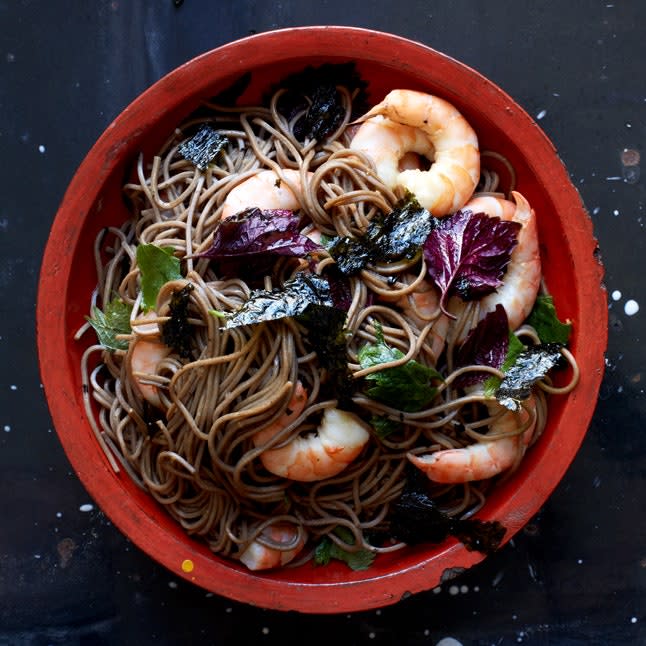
(133, 521)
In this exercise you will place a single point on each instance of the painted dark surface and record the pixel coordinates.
(575, 575)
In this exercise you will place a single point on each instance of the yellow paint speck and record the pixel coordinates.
(188, 565)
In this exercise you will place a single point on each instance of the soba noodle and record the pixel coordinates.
(195, 453)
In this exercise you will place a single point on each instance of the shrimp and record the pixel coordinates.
(338, 441)
(414, 122)
(258, 555)
(143, 359)
(523, 276)
(422, 307)
(484, 459)
(264, 190)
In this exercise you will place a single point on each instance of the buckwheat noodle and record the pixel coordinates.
(195, 454)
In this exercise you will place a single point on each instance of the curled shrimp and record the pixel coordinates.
(523, 275)
(337, 442)
(143, 358)
(276, 546)
(414, 122)
(422, 307)
(487, 458)
(264, 190)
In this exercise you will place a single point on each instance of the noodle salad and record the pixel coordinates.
(323, 333)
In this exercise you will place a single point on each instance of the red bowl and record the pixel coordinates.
(93, 200)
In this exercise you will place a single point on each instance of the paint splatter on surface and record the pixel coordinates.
(631, 307)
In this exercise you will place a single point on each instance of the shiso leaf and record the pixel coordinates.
(400, 234)
(485, 345)
(408, 387)
(327, 550)
(112, 321)
(531, 365)
(467, 254)
(158, 266)
(548, 326)
(259, 232)
(203, 147)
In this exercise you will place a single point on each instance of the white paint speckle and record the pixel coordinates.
(464, 589)
(37, 556)
(11, 58)
(613, 178)
(7, 428)
(265, 631)
(580, 561)
(629, 125)
(59, 514)
(41, 149)
(453, 590)
(172, 585)
(615, 212)
(437, 589)
(633, 620)
(371, 635)
(13, 387)
(86, 507)
(631, 307)
(448, 641)
(596, 210)
(541, 114)
(616, 295)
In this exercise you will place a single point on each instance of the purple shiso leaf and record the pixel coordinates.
(485, 345)
(467, 254)
(256, 232)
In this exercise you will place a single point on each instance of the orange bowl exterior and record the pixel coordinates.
(93, 200)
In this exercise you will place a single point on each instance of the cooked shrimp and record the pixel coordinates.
(144, 357)
(414, 122)
(259, 555)
(265, 190)
(523, 276)
(423, 308)
(337, 442)
(484, 459)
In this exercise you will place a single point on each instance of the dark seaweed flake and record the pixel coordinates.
(531, 366)
(203, 147)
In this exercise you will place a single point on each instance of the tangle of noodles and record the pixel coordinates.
(195, 453)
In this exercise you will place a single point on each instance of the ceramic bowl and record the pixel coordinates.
(94, 200)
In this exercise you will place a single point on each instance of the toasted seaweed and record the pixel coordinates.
(417, 519)
(203, 147)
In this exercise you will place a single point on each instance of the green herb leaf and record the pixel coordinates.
(514, 349)
(384, 426)
(544, 320)
(113, 320)
(407, 387)
(328, 549)
(158, 266)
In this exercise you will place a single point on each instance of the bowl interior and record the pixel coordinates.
(94, 200)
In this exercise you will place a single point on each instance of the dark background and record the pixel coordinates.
(575, 575)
